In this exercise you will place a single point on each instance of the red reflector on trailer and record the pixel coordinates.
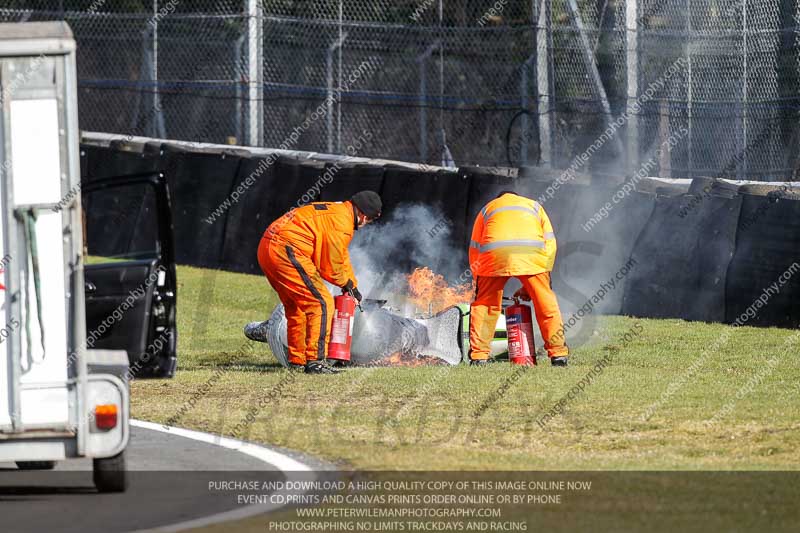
(105, 416)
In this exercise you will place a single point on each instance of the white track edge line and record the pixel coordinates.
(282, 462)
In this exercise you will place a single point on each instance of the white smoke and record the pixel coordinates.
(410, 236)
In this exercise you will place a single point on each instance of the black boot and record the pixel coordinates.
(296, 368)
(478, 362)
(558, 361)
(319, 367)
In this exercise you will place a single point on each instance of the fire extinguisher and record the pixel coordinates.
(519, 325)
(342, 328)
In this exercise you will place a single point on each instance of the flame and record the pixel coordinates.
(430, 292)
(395, 359)
(408, 360)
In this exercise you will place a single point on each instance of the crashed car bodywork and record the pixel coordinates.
(380, 336)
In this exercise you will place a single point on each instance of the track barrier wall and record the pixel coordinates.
(706, 252)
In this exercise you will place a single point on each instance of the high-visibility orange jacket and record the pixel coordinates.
(321, 231)
(512, 236)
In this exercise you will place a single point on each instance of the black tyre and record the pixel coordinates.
(164, 368)
(36, 465)
(110, 474)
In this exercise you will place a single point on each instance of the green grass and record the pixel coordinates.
(432, 418)
(429, 418)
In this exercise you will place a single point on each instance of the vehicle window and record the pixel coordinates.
(120, 223)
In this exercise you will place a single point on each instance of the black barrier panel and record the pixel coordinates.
(446, 192)
(486, 186)
(299, 182)
(535, 189)
(248, 219)
(656, 186)
(101, 162)
(202, 189)
(595, 242)
(556, 199)
(559, 202)
(343, 181)
(483, 188)
(701, 185)
(489, 185)
(766, 254)
(719, 220)
(681, 260)
(84, 163)
(276, 185)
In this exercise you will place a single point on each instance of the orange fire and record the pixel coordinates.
(403, 359)
(430, 292)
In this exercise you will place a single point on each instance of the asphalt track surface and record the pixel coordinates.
(169, 488)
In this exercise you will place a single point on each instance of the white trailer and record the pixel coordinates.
(53, 406)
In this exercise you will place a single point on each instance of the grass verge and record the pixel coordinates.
(735, 409)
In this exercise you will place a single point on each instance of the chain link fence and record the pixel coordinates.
(475, 82)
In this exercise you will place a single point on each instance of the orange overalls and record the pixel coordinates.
(297, 252)
(513, 237)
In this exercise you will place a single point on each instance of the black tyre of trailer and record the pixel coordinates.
(110, 474)
(36, 465)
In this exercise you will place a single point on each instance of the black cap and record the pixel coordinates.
(368, 202)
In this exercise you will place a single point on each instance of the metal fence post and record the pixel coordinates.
(238, 52)
(157, 127)
(690, 164)
(544, 82)
(444, 148)
(154, 72)
(632, 63)
(329, 101)
(524, 90)
(339, 106)
(744, 151)
(152, 119)
(525, 136)
(422, 61)
(255, 73)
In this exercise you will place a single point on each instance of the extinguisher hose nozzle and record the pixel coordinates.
(358, 303)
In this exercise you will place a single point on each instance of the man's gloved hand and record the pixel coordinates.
(350, 288)
(357, 294)
(522, 294)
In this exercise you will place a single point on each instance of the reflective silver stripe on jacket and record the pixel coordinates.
(489, 214)
(549, 235)
(502, 244)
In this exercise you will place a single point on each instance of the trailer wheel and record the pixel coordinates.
(110, 474)
(36, 465)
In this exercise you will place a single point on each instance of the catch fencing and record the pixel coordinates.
(467, 82)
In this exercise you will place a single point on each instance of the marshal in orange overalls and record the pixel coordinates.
(513, 237)
(297, 252)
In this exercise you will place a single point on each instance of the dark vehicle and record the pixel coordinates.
(130, 282)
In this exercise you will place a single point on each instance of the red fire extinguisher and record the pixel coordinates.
(342, 328)
(519, 325)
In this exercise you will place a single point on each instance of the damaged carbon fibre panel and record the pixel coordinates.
(379, 336)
